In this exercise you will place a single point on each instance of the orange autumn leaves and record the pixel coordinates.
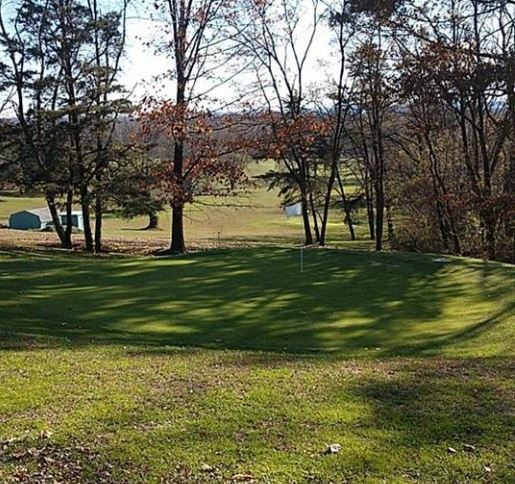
(298, 133)
(216, 146)
(211, 164)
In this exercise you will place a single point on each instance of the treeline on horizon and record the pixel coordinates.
(414, 124)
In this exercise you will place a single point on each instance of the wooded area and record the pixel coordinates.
(414, 125)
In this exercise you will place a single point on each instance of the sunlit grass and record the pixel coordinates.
(141, 415)
(232, 366)
(258, 299)
(255, 216)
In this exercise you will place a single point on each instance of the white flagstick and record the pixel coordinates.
(295, 210)
(301, 257)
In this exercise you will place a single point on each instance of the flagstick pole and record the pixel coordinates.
(301, 257)
(301, 251)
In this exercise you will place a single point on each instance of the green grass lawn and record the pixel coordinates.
(350, 302)
(231, 366)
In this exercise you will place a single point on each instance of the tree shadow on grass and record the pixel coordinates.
(469, 333)
(426, 406)
(345, 302)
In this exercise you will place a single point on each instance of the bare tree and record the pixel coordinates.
(343, 30)
(108, 98)
(463, 53)
(280, 60)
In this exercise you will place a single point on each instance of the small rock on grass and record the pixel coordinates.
(469, 448)
(451, 450)
(333, 449)
(244, 478)
(206, 468)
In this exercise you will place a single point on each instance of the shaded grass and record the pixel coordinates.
(345, 301)
(394, 356)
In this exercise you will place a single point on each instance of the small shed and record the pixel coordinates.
(30, 219)
(293, 210)
(77, 220)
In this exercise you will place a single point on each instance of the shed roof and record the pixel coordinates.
(43, 214)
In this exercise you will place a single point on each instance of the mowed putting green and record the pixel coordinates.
(344, 301)
(231, 366)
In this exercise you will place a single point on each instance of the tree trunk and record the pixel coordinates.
(510, 178)
(88, 234)
(346, 208)
(98, 223)
(379, 214)
(389, 223)
(65, 241)
(177, 245)
(489, 227)
(69, 207)
(314, 216)
(327, 202)
(153, 221)
(308, 237)
(370, 210)
(440, 217)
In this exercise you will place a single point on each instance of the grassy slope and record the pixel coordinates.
(256, 298)
(88, 355)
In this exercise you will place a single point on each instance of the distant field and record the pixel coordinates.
(230, 366)
(254, 217)
(205, 225)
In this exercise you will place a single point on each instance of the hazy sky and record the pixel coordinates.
(142, 64)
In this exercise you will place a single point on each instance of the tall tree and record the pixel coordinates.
(462, 52)
(211, 158)
(343, 29)
(371, 103)
(374, 97)
(195, 41)
(64, 63)
(108, 99)
(36, 138)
